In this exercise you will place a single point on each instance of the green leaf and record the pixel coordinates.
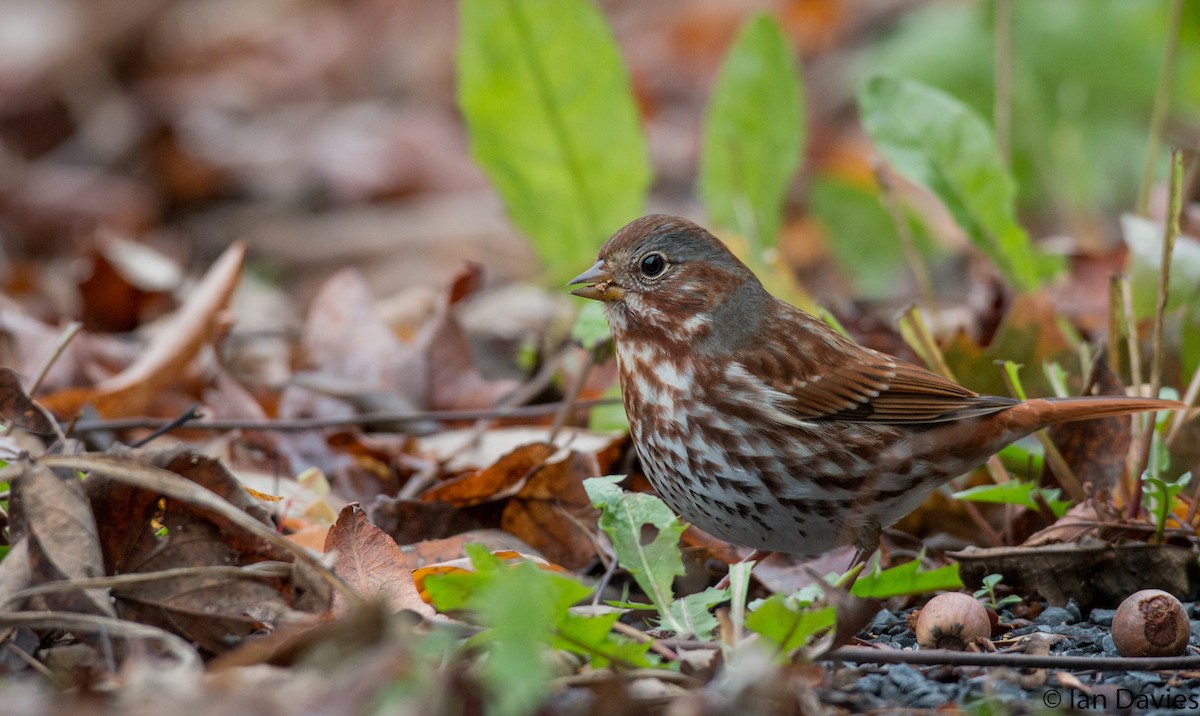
(693, 612)
(522, 606)
(592, 636)
(591, 326)
(1160, 497)
(860, 233)
(753, 134)
(906, 579)
(938, 142)
(609, 418)
(654, 564)
(552, 122)
(786, 625)
(1015, 492)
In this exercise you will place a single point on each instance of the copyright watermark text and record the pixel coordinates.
(1119, 699)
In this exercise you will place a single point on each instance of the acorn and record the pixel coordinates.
(952, 621)
(1151, 623)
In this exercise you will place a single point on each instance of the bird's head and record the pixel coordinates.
(667, 276)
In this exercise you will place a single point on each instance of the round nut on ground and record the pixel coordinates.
(952, 621)
(1150, 623)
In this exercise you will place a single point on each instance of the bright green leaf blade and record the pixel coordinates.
(655, 565)
(753, 134)
(1015, 492)
(552, 122)
(861, 234)
(591, 326)
(592, 636)
(906, 579)
(693, 611)
(938, 142)
(522, 606)
(787, 627)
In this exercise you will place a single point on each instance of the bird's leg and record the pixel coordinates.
(756, 556)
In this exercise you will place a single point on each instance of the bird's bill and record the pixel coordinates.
(600, 286)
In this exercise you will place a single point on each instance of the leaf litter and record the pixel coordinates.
(280, 569)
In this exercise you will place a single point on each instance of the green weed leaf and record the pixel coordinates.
(653, 562)
(552, 122)
(906, 579)
(693, 611)
(753, 134)
(787, 625)
(526, 610)
(938, 142)
(1018, 493)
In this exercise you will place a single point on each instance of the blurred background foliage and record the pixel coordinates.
(402, 137)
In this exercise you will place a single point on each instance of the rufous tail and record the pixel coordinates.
(1041, 412)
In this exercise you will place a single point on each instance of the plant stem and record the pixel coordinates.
(1162, 102)
(1171, 233)
(1002, 69)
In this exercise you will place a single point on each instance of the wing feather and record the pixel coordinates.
(847, 382)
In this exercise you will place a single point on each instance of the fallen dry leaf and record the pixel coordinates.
(552, 511)
(53, 513)
(371, 562)
(17, 407)
(133, 390)
(429, 552)
(497, 481)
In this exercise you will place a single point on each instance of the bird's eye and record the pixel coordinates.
(653, 265)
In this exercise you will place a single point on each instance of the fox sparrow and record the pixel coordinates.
(761, 425)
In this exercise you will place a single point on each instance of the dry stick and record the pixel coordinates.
(1174, 207)
(1002, 74)
(1162, 102)
(1131, 337)
(868, 655)
(33, 663)
(108, 626)
(169, 484)
(1114, 323)
(259, 570)
(524, 392)
(60, 345)
(192, 413)
(568, 405)
(637, 635)
(1179, 418)
(297, 424)
(56, 351)
(911, 256)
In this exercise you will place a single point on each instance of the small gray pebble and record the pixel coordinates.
(1054, 616)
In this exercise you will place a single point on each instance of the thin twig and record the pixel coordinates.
(32, 662)
(1170, 234)
(296, 424)
(1162, 102)
(92, 624)
(1114, 323)
(655, 645)
(912, 256)
(64, 339)
(170, 484)
(259, 570)
(192, 413)
(869, 655)
(569, 402)
(1002, 74)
